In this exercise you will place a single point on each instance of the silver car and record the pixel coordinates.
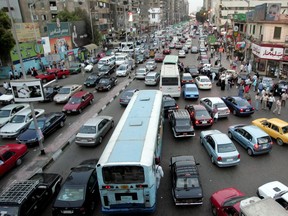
(123, 70)
(152, 78)
(210, 102)
(65, 93)
(141, 73)
(94, 130)
(220, 148)
(151, 65)
(7, 112)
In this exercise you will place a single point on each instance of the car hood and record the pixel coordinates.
(61, 97)
(4, 120)
(102, 85)
(29, 134)
(6, 97)
(188, 193)
(12, 127)
(90, 81)
(71, 106)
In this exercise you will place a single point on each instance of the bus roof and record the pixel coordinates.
(171, 59)
(133, 140)
(169, 71)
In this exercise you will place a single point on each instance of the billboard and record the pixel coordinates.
(60, 45)
(27, 32)
(79, 35)
(27, 90)
(58, 29)
(260, 12)
(273, 11)
(29, 51)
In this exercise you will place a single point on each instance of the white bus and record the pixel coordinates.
(126, 168)
(170, 77)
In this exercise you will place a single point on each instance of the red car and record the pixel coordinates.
(166, 51)
(78, 102)
(226, 202)
(10, 156)
(51, 74)
(199, 115)
(159, 57)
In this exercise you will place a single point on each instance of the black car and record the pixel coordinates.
(193, 70)
(106, 83)
(78, 195)
(30, 197)
(186, 185)
(48, 123)
(92, 80)
(50, 92)
(107, 69)
(169, 103)
(280, 87)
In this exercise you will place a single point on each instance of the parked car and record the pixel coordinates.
(238, 105)
(75, 68)
(190, 91)
(159, 57)
(51, 74)
(276, 128)
(7, 99)
(186, 78)
(11, 155)
(193, 70)
(92, 80)
(78, 194)
(140, 59)
(203, 82)
(194, 49)
(106, 69)
(151, 65)
(152, 78)
(169, 103)
(66, 92)
(123, 70)
(126, 96)
(106, 83)
(171, 46)
(210, 102)
(141, 73)
(226, 202)
(178, 45)
(252, 138)
(48, 123)
(180, 123)
(89, 68)
(220, 148)
(50, 92)
(199, 116)
(19, 123)
(78, 102)
(7, 112)
(185, 178)
(94, 130)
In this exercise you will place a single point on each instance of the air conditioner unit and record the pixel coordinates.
(286, 51)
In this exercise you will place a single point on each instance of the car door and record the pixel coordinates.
(8, 159)
(239, 136)
(274, 131)
(92, 186)
(50, 125)
(266, 126)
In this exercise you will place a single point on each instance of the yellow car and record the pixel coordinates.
(276, 128)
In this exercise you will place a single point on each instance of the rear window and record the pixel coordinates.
(264, 140)
(170, 81)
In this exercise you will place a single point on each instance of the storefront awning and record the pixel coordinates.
(90, 47)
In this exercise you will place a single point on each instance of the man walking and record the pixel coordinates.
(158, 173)
(278, 106)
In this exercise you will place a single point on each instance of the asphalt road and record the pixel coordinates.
(248, 176)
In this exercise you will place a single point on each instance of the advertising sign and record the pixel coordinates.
(260, 12)
(58, 29)
(29, 51)
(273, 53)
(29, 90)
(27, 32)
(60, 45)
(273, 11)
(79, 35)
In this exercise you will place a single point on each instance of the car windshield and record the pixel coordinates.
(41, 124)
(150, 63)
(233, 201)
(183, 122)
(104, 81)
(285, 129)
(18, 119)
(93, 77)
(187, 182)
(224, 148)
(220, 105)
(102, 61)
(141, 70)
(104, 68)
(127, 94)
(243, 103)
(191, 89)
(75, 100)
(204, 80)
(264, 140)
(122, 67)
(71, 193)
(186, 78)
(169, 103)
(88, 129)
(118, 58)
(4, 113)
(201, 114)
(64, 91)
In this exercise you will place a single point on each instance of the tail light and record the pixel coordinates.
(256, 146)
(238, 156)
(241, 110)
(253, 108)
(179, 88)
(196, 122)
(177, 107)
(210, 121)
(107, 187)
(219, 158)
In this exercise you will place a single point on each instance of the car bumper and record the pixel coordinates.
(8, 135)
(150, 83)
(227, 164)
(262, 151)
(245, 113)
(191, 96)
(29, 143)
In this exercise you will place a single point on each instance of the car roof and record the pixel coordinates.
(187, 75)
(48, 115)
(11, 106)
(190, 85)
(199, 107)
(214, 99)
(278, 122)
(24, 112)
(80, 94)
(79, 175)
(94, 121)
(220, 138)
(256, 131)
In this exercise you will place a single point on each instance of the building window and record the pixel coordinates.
(260, 29)
(35, 17)
(254, 27)
(153, 16)
(43, 17)
(45, 29)
(277, 32)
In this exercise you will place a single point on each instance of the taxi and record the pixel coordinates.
(276, 128)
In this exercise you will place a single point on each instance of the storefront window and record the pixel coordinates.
(284, 72)
(261, 65)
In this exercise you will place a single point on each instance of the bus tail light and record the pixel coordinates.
(142, 186)
(107, 187)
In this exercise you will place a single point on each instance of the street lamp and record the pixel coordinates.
(246, 35)
(32, 19)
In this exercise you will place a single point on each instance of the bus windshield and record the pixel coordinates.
(123, 174)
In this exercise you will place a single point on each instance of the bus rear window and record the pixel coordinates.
(123, 174)
(172, 81)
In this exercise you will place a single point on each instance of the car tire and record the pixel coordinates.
(214, 210)
(230, 135)
(234, 112)
(19, 162)
(212, 160)
(100, 140)
(250, 152)
(91, 101)
(63, 76)
(62, 124)
(80, 111)
(279, 141)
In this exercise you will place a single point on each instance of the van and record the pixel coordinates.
(152, 78)
(107, 60)
(122, 59)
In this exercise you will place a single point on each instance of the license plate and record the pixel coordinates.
(247, 110)
(67, 212)
(229, 160)
(204, 122)
(68, 111)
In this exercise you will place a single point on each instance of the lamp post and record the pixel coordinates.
(246, 33)
(32, 19)
(91, 25)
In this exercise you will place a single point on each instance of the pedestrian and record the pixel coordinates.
(16, 74)
(6, 86)
(278, 106)
(158, 173)
(215, 113)
(246, 88)
(271, 100)
(247, 96)
(264, 101)
(284, 97)
(213, 76)
(11, 75)
(257, 100)
(240, 90)
(260, 86)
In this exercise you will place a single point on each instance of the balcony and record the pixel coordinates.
(53, 8)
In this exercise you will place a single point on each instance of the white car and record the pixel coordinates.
(141, 73)
(276, 190)
(89, 68)
(65, 93)
(181, 54)
(210, 102)
(123, 70)
(203, 82)
(19, 123)
(151, 65)
(7, 112)
(7, 98)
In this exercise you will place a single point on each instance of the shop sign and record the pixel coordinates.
(273, 53)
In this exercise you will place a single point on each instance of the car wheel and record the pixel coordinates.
(249, 151)
(214, 210)
(63, 76)
(62, 124)
(230, 135)
(234, 112)
(80, 110)
(279, 141)
(19, 162)
(112, 124)
(212, 160)
(100, 139)
(91, 101)
(92, 206)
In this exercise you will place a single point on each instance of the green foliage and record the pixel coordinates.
(6, 36)
(66, 16)
(202, 15)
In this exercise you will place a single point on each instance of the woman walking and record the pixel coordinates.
(257, 100)
(264, 101)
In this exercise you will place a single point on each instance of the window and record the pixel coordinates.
(153, 16)
(35, 17)
(254, 27)
(277, 33)
(274, 127)
(43, 17)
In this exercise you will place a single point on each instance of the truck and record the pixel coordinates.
(255, 206)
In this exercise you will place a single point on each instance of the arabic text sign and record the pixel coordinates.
(27, 32)
(273, 53)
(58, 30)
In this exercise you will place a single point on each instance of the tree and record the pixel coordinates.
(202, 15)
(6, 37)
